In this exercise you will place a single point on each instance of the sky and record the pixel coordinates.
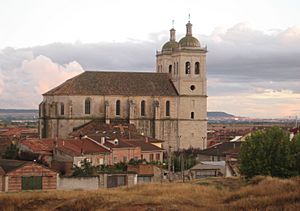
(253, 65)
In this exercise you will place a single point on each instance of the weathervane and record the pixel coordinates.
(173, 23)
(189, 17)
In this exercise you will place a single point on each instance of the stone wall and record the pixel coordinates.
(85, 183)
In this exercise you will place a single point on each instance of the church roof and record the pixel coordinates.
(117, 83)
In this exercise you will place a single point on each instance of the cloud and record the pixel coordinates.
(1, 83)
(24, 84)
(264, 104)
(243, 63)
(246, 54)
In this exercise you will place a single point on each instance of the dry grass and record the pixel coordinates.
(210, 194)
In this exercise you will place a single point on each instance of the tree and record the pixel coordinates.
(295, 149)
(267, 152)
(11, 152)
(85, 170)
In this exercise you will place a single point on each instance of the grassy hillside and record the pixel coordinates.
(209, 194)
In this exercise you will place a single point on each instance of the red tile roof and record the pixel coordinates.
(74, 147)
(39, 146)
(111, 131)
(144, 145)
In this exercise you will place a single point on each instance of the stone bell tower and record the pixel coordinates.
(185, 61)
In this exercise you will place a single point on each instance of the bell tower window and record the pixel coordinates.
(187, 68)
(197, 68)
(192, 115)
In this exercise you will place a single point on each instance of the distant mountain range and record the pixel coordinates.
(218, 114)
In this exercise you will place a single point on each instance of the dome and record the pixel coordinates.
(189, 41)
(170, 45)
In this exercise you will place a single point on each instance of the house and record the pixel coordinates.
(77, 150)
(16, 175)
(149, 151)
(208, 169)
(221, 152)
(146, 173)
(36, 149)
(63, 154)
(121, 151)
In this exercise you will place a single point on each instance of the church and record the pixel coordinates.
(169, 104)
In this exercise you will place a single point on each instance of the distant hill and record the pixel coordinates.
(17, 111)
(218, 114)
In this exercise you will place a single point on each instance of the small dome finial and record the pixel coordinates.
(189, 27)
(189, 17)
(173, 23)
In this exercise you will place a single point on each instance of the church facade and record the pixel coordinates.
(169, 104)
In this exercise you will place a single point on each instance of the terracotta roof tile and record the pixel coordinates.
(74, 147)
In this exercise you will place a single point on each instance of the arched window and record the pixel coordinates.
(62, 109)
(167, 108)
(87, 106)
(192, 115)
(118, 108)
(187, 68)
(197, 68)
(143, 109)
(170, 68)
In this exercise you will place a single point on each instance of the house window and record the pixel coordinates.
(87, 106)
(62, 109)
(142, 157)
(143, 112)
(115, 159)
(170, 68)
(157, 157)
(187, 68)
(151, 157)
(197, 68)
(118, 108)
(124, 159)
(168, 108)
(192, 115)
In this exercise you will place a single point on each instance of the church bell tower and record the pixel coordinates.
(185, 62)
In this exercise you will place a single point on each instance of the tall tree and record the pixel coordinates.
(267, 152)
